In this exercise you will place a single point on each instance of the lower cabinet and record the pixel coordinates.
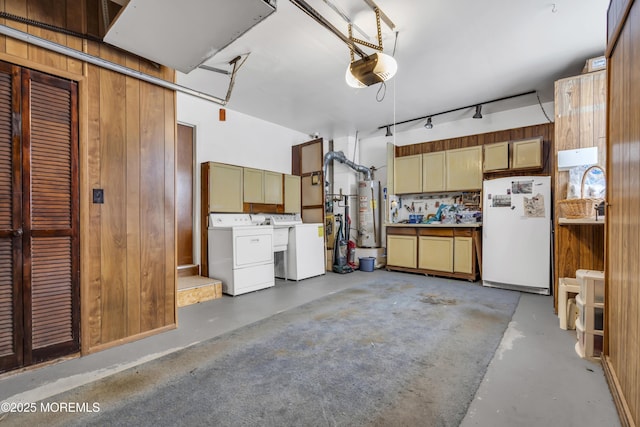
(463, 254)
(440, 251)
(436, 253)
(402, 251)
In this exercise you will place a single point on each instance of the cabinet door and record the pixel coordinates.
(292, 194)
(464, 169)
(408, 174)
(526, 154)
(436, 253)
(225, 188)
(272, 187)
(402, 251)
(463, 255)
(496, 156)
(253, 185)
(433, 171)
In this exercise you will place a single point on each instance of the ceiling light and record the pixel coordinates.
(428, 125)
(372, 69)
(478, 114)
(389, 131)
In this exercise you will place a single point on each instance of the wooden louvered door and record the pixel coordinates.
(39, 290)
(11, 316)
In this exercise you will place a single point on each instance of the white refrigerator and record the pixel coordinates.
(516, 233)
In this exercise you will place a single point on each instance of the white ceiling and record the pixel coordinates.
(450, 54)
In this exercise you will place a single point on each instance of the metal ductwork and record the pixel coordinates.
(339, 156)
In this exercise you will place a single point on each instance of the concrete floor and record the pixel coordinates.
(534, 379)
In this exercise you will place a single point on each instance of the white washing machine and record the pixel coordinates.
(304, 254)
(240, 253)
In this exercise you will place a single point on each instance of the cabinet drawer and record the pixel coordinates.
(443, 232)
(465, 232)
(401, 231)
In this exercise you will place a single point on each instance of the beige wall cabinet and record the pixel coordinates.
(433, 165)
(496, 156)
(292, 202)
(402, 250)
(436, 253)
(253, 187)
(526, 154)
(272, 187)
(463, 254)
(464, 169)
(262, 186)
(225, 188)
(408, 174)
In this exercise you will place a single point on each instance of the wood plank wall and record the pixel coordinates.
(580, 109)
(622, 323)
(127, 148)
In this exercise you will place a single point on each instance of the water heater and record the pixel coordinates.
(369, 214)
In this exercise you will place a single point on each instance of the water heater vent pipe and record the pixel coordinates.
(339, 156)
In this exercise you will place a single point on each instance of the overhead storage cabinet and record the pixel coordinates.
(408, 174)
(464, 169)
(292, 194)
(225, 188)
(272, 187)
(253, 186)
(526, 154)
(433, 165)
(496, 156)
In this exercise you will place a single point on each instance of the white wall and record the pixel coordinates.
(240, 140)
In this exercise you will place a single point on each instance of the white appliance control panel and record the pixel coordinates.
(229, 220)
(285, 219)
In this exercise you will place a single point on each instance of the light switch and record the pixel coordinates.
(98, 195)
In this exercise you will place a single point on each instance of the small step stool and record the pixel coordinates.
(590, 323)
(568, 285)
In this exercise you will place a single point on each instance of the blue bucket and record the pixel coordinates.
(367, 263)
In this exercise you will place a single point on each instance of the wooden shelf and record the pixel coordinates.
(586, 221)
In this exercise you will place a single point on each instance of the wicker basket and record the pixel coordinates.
(582, 207)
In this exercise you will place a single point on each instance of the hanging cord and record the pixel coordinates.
(383, 86)
(382, 89)
(355, 147)
(542, 108)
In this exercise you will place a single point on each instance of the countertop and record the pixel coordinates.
(420, 225)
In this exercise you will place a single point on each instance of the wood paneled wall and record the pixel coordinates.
(580, 109)
(622, 324)
(127, 148)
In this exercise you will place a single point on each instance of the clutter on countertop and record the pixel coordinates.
(416, 209)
